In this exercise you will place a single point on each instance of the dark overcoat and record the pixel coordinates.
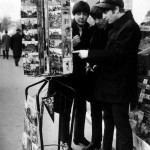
(77, 79)
(98, 41)
(117, 80)
(79, 70)
(16, 45)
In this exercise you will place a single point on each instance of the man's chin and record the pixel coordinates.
(81, 24)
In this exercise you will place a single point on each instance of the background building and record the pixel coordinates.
(128, 4)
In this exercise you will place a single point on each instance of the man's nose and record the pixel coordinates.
(81, 16)
(104, 16)
(96, 20)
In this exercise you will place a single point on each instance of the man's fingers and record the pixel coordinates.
(76, 37)
(76, 51)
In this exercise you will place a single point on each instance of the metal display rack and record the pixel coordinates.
(59, 88)
(46, 28)
(140, 121)
(45, 55)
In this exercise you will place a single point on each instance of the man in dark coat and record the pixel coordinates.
(16, 46)
(81, 39)
(76, 80)
(99, 36)
(116, 84)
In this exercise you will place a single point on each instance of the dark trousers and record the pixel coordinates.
(65, 119)
(96, 115)
(117, 115)
(16, 60)
(80, 112)
(5, 54)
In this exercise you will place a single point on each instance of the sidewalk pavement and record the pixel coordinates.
(10, 52)
(12, 95)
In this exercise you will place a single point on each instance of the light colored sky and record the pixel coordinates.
(12, 8)
(140, 9)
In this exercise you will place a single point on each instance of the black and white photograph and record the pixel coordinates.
(34, 146)
(29, 23)
(29, 12)
(54, 2)
(55, 33)
(31, 63)
(34, 134)
(55, 19)
(28, 2)
(31, 110)
(75, 75)
(67, 49)
(30, 35)
(54, 43)
(67, 65)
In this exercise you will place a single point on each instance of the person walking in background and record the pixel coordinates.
(116, 87)
(5, 45)
(16, 46)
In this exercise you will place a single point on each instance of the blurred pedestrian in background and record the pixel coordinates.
(5, 44)
(16, 46)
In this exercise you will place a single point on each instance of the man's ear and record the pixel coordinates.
(116, 10)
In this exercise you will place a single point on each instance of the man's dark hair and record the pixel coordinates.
(18, 30)
(6, 31)
(96, 12)
(81, 6)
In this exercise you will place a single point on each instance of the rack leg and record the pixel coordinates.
(72, 121)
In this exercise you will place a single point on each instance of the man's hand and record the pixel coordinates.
(83, 53)
(76, 40)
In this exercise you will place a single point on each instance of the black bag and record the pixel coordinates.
(63, 94)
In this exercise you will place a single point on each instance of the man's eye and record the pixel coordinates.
(85, 14)
(78, 13)
(105, 12)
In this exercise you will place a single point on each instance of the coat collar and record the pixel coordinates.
(127, 16)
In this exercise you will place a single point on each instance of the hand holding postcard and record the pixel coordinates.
(82, 53)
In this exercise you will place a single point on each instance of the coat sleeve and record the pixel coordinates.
(11, 42)
(117, 48)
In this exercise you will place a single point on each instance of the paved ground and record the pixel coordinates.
(12, 87)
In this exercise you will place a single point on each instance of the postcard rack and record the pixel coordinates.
(57, 87)
(139, 117)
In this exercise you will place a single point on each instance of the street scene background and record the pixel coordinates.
(12, 95)
(13, 82)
